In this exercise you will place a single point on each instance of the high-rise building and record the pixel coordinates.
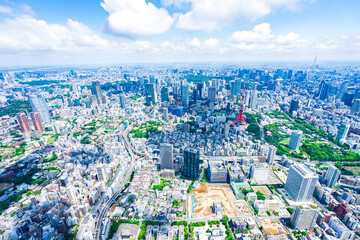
(35, 118)
(185, 95)
(166, 114)
(324, 90)
(295, 139)
(342, 91)
(23, 122)
(304, 218)
(237, 87)
(343, 232)
(191, 163)
(150, 90)
(300, 183)
(164, 94)
(74, 88)
(253, 99)
(123, 101)
(343, 130)
(294, 106)
(227, 129)
(96, 90)
(166, 156)
(332, 175)
(355, 107)
(271, 155)
(38, 104)
(212, 94)
(341, 210)
(101, 173)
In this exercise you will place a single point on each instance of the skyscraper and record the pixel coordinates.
(164, 94)
(342, 91)
(191, 163)
(271, 155)
(35, 118)
(185, 95)
(166, 156)
(294, 106)
(150, 90)
(300, 183)
(38, 104)
(343, 130)
(166, 114)
(324, 90)
(254, 99)
(96, 90)
(304, 218)
(295, 139)
(122, 101)
(331, 176)
(212, 94)
(355, 107)
(23, 122)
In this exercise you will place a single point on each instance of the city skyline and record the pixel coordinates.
(113, 31)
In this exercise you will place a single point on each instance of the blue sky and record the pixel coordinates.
(41, 32)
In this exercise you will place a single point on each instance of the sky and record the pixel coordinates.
(65, 32)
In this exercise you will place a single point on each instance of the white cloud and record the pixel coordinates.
(261, 38)
(27, 33)
(5, 9)
(209, 15)
(135, 18)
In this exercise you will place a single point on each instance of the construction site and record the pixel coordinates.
(273, 227)
(201, 200)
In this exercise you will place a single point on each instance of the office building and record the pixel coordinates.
(185, 95)
(38, 104)
(101, 173)
(294, 106)
(96, 90)
(343, 130)
(122, 101)
(271, 155)
(341, 210)
(166, 114)
(166, 156)
(355, 107)
(340, 228)
(304, 218)
(300, 183)
(295, 139)
(191, 163)
(164, 94)
(227, 129)
(342, 91)
(259, 171)
(332, 175)
(35, 118)
(150, 91)
(23, 122)
(324, 90)
(254, 99)
(217, 172)
(212, 94)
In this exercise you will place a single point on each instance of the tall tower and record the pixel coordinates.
(240, 117)
(38, 104)
(191, 163)
(212, 94)
(35, 118)
(23, 122)
(122, 101)
(332, 175)
(96, 90)
(271, 155)
(185, 94)
(300, 183)
(166, 156)
(295, 139)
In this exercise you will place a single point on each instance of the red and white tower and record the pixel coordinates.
(35, 118)
(240, 117)
(23, 122)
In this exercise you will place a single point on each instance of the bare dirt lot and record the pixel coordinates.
(200, 201)
(273, 228)
(263, 189)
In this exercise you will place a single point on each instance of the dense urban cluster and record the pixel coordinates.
(180, 152)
